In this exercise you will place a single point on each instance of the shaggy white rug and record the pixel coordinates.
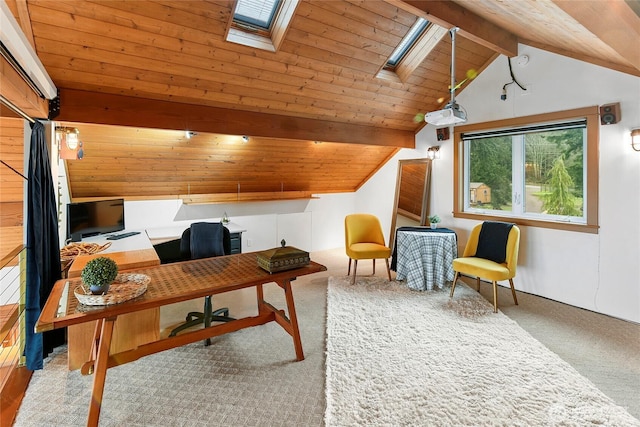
(397, 357)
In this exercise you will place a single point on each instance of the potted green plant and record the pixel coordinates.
(98, 274)
(434, 220)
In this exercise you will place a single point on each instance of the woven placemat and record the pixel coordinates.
(125, 287)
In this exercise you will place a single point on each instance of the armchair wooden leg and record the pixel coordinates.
(386, 260)
(453, 285)
(349, 269)
(513, 291)
(478, 284)
(495, 296)
(355, 269)
(374, 266)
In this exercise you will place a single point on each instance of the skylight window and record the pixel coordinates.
(256, 14)
(407, 43)
(261, 24)
(414, 48)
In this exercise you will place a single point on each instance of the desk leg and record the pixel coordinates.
(93, 351)
(262, 305)
(100, 372)
(289, 324)
(291, 308)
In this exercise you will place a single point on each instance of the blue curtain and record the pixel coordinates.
(43, 251)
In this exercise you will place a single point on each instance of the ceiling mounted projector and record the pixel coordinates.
(452, 114)
(449, 116)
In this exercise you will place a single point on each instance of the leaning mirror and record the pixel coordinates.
(411, 202)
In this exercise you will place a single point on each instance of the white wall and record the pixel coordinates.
(310, 225)
(599, 272)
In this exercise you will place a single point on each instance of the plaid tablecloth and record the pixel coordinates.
(425, 260)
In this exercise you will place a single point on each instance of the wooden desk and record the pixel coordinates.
(126, 260)
(131, 330)
(171, 283)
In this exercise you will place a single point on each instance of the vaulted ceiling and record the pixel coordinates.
(143, 70)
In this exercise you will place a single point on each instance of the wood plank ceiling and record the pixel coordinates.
(126, 69)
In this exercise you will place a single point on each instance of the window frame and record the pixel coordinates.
(407, 43)
(257, 38)
(590, 114)
(251, 24)
(415, 55)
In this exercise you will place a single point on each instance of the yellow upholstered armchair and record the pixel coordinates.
(491, 253)
(364, 240)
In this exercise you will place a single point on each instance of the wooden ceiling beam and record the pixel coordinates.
(613, 22)
(16, 91)
(580, 57)
(13, 87)
(24, 19)
(120, 110)
(20, 11)
(448, 14)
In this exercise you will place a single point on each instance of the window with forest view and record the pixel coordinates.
(533, 171)
(527, 172)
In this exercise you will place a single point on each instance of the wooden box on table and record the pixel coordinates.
(283, 258)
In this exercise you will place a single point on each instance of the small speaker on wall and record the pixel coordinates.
(442, 134)
(610, 114)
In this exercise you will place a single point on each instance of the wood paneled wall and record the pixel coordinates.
(12, 184)
(153, 163)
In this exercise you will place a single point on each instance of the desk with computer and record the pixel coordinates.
(102, 223)
(110, 335)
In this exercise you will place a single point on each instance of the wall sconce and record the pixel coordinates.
(433, 152)
(72, 139)
(635, 139)
(69, 144)
(70, 135)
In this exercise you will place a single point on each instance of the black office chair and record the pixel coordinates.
(204, 240)
(169, 251)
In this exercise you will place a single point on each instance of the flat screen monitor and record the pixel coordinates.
(86, 219)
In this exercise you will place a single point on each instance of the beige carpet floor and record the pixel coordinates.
(242, 378)
(396, 357)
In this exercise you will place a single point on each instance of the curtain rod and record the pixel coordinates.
(15, 109)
